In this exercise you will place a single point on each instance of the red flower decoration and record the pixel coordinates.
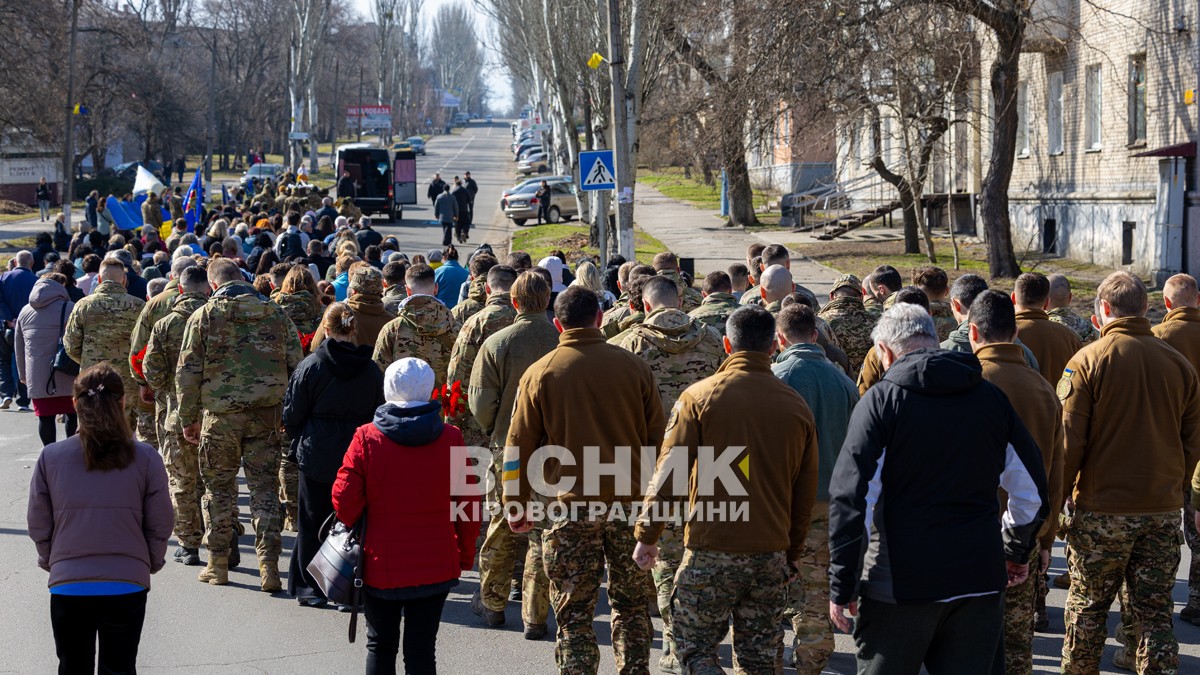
(451, 398)
(306, 339)
(136, 361)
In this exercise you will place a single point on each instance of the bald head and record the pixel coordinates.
(1180, 291)
(1060, 291)
(776, 283)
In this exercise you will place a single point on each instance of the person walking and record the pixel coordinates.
(462, 197)
(398, 473)
(423, 326)
(450, 275)
(39, 328)
(105, 224)
(445, 209)
(543, 202)
(91, 204)
(100, 516)
(365, 299)
(913, 608)
(1128, 389)
(16, 285)
(567, 399)
(333, 392)
(436, 187)
(42, 195)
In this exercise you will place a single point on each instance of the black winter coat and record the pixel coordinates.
(334, 391)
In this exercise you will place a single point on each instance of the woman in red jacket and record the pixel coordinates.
(398, 473)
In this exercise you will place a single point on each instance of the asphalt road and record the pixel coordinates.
(197, 629)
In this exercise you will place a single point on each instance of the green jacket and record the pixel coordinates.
(830, 395)
(237, 354)
(152, 312)
(162, 354)
(503, 358)
(99, 329)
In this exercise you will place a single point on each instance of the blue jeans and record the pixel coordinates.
(10, 384)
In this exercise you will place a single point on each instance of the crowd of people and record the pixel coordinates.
(338, 373)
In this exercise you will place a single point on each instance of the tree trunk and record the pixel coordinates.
(909, 206)
(993, 211)
(741, 195)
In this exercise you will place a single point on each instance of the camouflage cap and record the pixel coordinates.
(368, 280)
(848, 281)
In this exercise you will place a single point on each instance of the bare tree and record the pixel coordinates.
(308, 33)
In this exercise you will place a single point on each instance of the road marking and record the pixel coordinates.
(460, 151)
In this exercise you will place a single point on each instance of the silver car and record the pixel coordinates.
(522, 205)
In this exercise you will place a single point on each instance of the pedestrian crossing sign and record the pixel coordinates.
(596, 170)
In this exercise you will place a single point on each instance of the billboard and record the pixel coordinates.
(450, 100)
(371, 117)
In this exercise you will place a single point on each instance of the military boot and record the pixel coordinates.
(269, 573)
(1191, 612)
(235, 557)
(189, 556)
(217, 571)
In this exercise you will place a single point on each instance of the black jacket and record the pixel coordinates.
(345, 187)
(914, 490)
(367, 237)
(436, 187)
(334, 391)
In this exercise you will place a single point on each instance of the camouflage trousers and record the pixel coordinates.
(1193, 541)
(1103, 552)
(713, 587)
(498, 562)
(576, 553)
(670, 554)
(1020, 613)
(535, 585)
(808, 597)
(229, 441)
(182, 460)
(289, 487)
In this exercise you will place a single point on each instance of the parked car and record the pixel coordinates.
(536, 162)
(260, 172)
(417, 143)
(531, 181)
(525, 149)
(128, 170)
(488, 119)
(522, 206)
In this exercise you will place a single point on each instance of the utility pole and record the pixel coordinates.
(360, 102)
(68, 168)
(620, 119)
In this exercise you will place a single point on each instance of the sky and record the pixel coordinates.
(494, 74)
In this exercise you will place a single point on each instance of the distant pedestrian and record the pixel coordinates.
(449, 276)
(92, 203)
(446, 210)
(15, 288)
(345, 186)
(100, 514)
(436, 187)
(42, 195)
(180, 167)
(543, 202)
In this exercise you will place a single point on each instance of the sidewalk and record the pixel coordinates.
(699, 234)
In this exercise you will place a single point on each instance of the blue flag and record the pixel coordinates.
(225, 199)
(193, 201)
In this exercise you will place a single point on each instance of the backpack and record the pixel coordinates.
(293, 246)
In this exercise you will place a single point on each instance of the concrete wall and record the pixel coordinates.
(1089, 229)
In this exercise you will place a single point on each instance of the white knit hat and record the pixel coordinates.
(408, 383)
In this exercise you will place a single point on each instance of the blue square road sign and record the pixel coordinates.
(597, 170)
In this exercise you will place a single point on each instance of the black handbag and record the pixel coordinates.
(62, 362)
(337, 566)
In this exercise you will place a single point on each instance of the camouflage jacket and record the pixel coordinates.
(154, 310)
(753, 296)
(392, 297)
(302, 308)
(714, 311)
(625, 325)
(100, 327)
(496, 315)
(680, 351)
(477, 297)
(610, 325)
(1083, 328)
(873, 307)
(689, 297)
(237, 354)
(503, 358)
(162, 353)
(423, 328)
(852, 323)
(943, 318)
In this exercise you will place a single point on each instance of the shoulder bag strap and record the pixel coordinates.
(356, 596)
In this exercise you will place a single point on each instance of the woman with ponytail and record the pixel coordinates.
(334, 391)
(100, 515)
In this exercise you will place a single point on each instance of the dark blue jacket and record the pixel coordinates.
(134, 283)
(17, 285)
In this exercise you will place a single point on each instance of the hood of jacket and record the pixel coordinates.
(186, 304)
(345, 359)
(46, 292)
(366, 303)
(672, 331)
(936, 372)
(419, 425)
(238, 302)
(961, 336)
(426, 315)
(477, 291)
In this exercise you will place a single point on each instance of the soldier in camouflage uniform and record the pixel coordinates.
(1060, 310)
(936, 284)
(477, 295)
(151, 422)
(180, 456)
(621, 310)
(680, 351)
(718, 302)
(394, 291)
(99, 328)
(1126, 525)
(849, 319)
(667, 265)
(497, 314)
(637, 310)
(424, 328)
(502, 359)
(237, 355)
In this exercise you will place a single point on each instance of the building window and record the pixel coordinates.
(1050, 236)
(785, 131)
(1023, 119)
(1137, 99)
(1093, 113)
(1054, 113)
(1127, 229)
